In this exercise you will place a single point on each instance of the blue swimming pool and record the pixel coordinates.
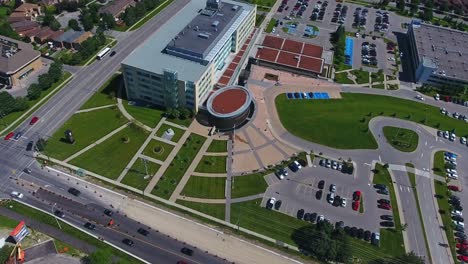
(349, 51)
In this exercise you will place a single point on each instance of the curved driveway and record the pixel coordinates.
(421, 158)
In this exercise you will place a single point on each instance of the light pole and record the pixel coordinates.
(55, 216)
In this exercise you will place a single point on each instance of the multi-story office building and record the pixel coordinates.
(439, 55)
(182, 61)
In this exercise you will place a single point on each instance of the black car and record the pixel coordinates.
(319, 194)
(90, 226)
(18, 135)
(458, 218)
(108, 212)
(313, 218)
(384, 201)
(59, 213)
(278, 204)
(383, 191)
(380, 186)
(128, 242)
(112, 53)
(353, 232)
(300, 213)
(30, 146)
(337, 201)
(339, 224)
(302, 162)
(321, 184)
(367, 235)
(360, 233)
(74, 191)
(460, 235)
(386, 217)
(459, 228)
(293, 166)
(387, 224)
(306, 217)
(143, 231)
(187, 251)
(458, 207)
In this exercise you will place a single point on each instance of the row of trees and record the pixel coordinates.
(88, 48)
(90, 16)
(45, 81)
(133, 14)
(338, 40)
(179, 113)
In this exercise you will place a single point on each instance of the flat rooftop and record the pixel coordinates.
(446, 48)
(204, 31)
(150, 55)
(15, 55)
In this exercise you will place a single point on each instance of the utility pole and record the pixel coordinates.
(146, 166)
(55, 216)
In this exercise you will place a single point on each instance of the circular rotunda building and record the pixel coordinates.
(230, 107)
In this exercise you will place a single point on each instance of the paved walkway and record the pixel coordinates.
(126, 114)
(190, 170)
(94, 108)
(247, 198)
(206, 174)
(97, 142)
(49, 230)
(201, 200)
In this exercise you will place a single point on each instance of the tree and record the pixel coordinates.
(427, 14)
(414, 6)
(34, 91)
(73, 23)
(99, 256)
(400, 5)
(407, 258)
(44, 81)
(107, 21)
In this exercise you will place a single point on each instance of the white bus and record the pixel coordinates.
(103, 53)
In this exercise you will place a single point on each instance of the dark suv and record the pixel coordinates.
(108, 212)
(143, 231)
(187, 251)
(128, 242)
(74, 191)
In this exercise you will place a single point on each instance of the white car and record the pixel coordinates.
(443, 111)
(331, 198)
(297, 164)
(343, 202)
(327, 163)
(17, 195)
(334, 165)
(419, 97)
(446, 134)
(455, 212)
(448, 158)
(437, 97)
(271, 202)
(459, 223)
(320, 218)
(463, 140)
(452, 176)
(451, 171)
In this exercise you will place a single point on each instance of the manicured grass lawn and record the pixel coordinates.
(106, 94)
(110, 157)
(151, 14)
(342, 77)
(268, 3)
(259, 19)
(178, 166)
(218, 146)
(158, 150)
(247, 185)
(445, 208)
(342, 67)
(343, 123)
(135, 176)
(378, 86)
(271, 25)
(205, 187)
(402, 139)
(10, 118)
(361, 76)
(146, 115)
(86, 128)
(391, 241)
(7, 222)
(178, 133)
(212, 164)
(377, 76)
(215, 210)
(3, 11)
(439, 164)
(49, 220)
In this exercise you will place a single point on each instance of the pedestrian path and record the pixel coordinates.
(200, 200)
(94, 108)
(206, 174)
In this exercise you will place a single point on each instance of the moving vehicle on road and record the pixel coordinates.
(90, 226)
(17, 195)
(33, 120)
(30, 146)
(112, 53)
(143, 231)
(27, 170)
(128, 242)
(103, 53)
(18, 135)
(108, 212)
(187, 251)
(74, 191)
(59, 213)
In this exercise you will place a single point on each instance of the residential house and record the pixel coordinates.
(117, 7)
(24, 26)
(71, 39)
(44, 35)
(29, 10)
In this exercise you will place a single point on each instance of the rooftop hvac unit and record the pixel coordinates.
(234, 8)
(203, 36)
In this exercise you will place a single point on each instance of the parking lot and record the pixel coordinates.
(299, 191)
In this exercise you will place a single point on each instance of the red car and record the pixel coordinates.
(453, 188)
(356, 205)
(462, 246)
(462, 241)
(385, 206)
(357, 195)
(9, 135)
(34, 120)
(463, 258)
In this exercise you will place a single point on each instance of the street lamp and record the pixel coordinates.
(55, 216)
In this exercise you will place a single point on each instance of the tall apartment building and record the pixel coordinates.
(182, 61)
(439, 55)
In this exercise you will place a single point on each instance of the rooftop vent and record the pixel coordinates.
(203, 36)
(195, 28)
(234, 8)
(215, 23)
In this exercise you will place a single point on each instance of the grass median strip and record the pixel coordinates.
(439, 163)
(178, 166)
(205, 187)
(402, 139)
(352, 114)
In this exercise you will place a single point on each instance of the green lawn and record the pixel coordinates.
(342, 77)
(67, 229)
(8, 222)
(205, 187)
(352, 114)
(110, 157)
(218, 146)
(378, 86)
(151, 14)
(247, 185)
(212, 164)
(3, 11)
(215, 210)
(402, 139)
(439, 163)
(146, 115)
(158, 150)
(10, 118)
(106, 94)
(445, 208)
(377, 76)
(178, 166)
(259, 19)
(361, 76)
(178, 133)
(391, 241)
(342, 67)
(267, 3)
(86, 128)
(135, 176)
(270, 25)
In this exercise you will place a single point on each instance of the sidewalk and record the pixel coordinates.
(49, 230)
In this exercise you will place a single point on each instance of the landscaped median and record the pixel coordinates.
(352, 114)
(402, 139)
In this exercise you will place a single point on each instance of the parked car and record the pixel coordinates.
(331, 198)
(367, 235)
(384, 201)
(300, 213)
(278, 204)
(357, 196)
(319, 194)
(332, 188)
(33, 120)
(387, 224)
(271, 203)
(306, 217)
(90, 226)
(355, 205)
(339, 224)
(313, 218)
(108, 212)
(9, 136)
(460, 235)
(375, 239)
(453, 188)
(458, 218)
(74, 191)
(321, 184)
(385, 206)
(128, 242)
(386, 217)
